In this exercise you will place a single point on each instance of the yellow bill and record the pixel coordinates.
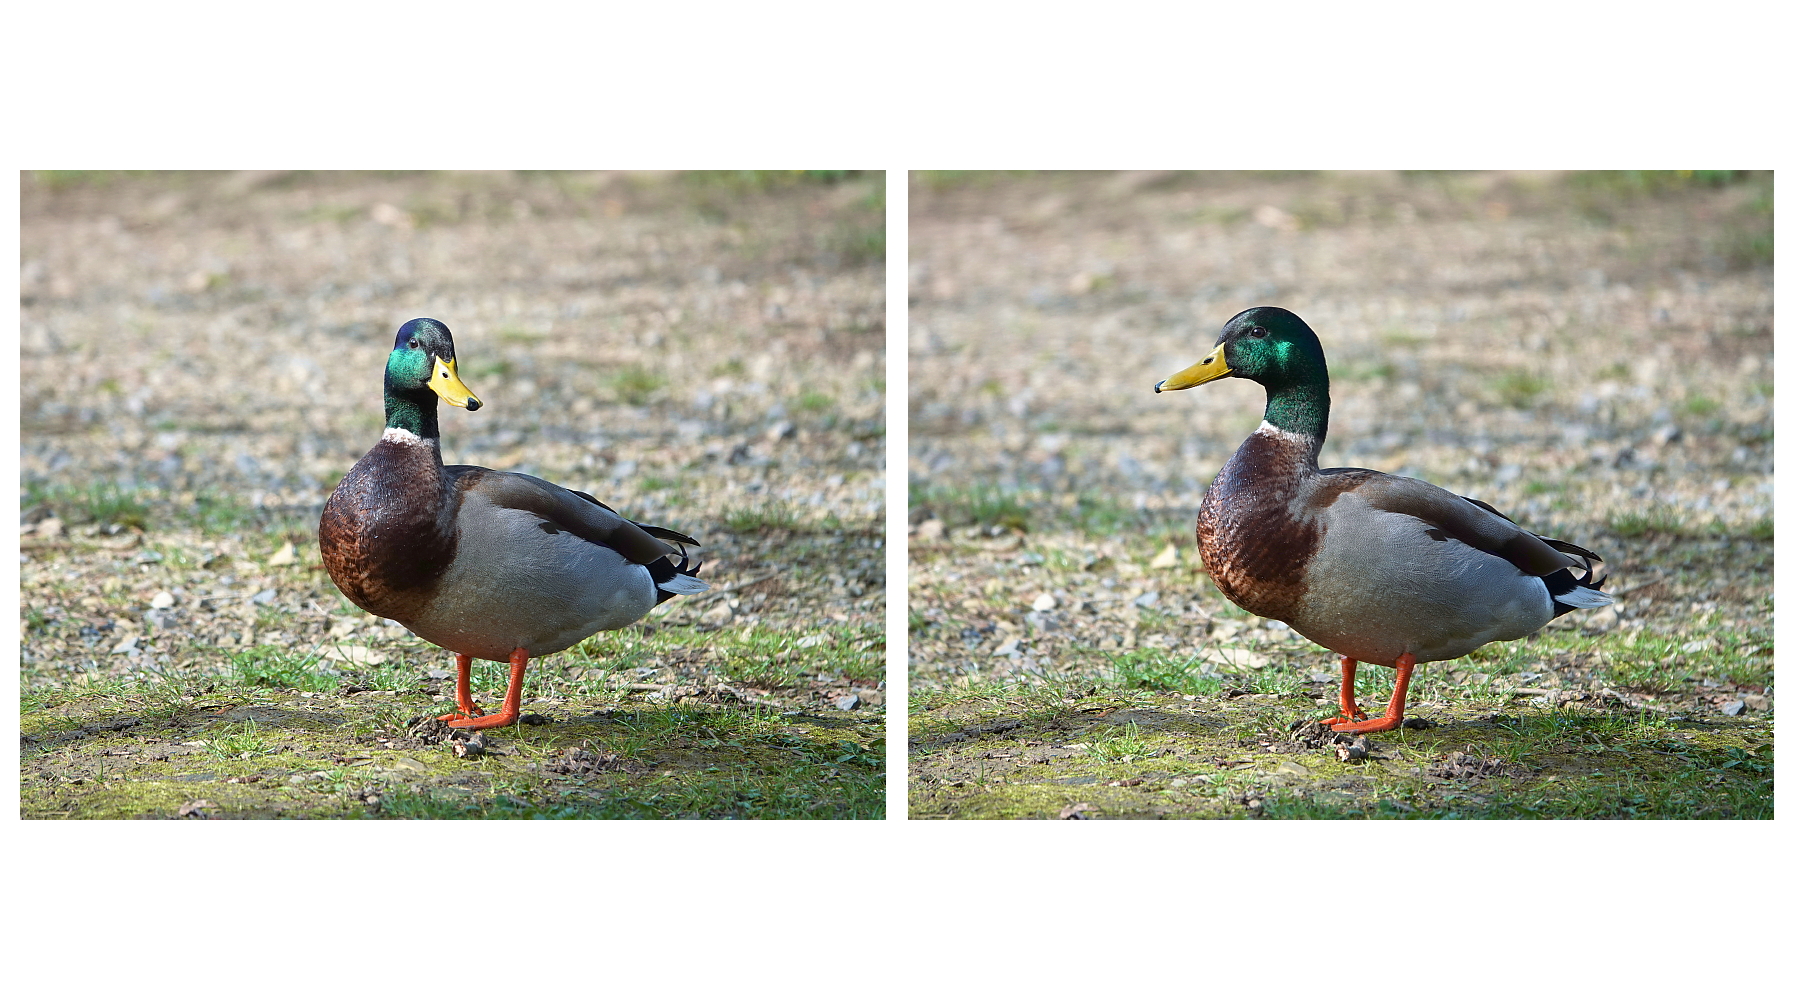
(1206, 370)
(446, 383)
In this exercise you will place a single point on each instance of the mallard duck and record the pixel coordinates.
(1378, 568)
(489, 564)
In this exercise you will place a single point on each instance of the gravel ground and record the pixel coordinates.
(201, 361)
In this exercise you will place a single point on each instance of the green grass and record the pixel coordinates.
(214, 512)
(242, 741)
(1152, 670)
(1545, 764)
(1520, 389)
(1118, 745)
(984, 506)
(1654, 662)
(683, 760)
(1648, 184)
(103, 503)
(858, 242)
(1662, 521)
(763, 517)
(814, 402)
(276, 667)
(765, 180)
(635, 384)
(210, 511)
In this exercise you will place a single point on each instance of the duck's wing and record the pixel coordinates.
(575, 512)
(658, 532)
(1470, 522)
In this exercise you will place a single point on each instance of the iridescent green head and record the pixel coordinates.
(1275, 348)
(420, 368)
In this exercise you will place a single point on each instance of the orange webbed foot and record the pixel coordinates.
(496, 721)
(1383, 724)
(472, 711)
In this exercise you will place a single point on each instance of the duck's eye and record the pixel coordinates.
(1258, 331)
(413, 345)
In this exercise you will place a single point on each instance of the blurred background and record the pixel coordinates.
(202, 356)
(1614, 323)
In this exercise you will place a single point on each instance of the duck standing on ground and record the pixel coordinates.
(1378, 568)
(489, 564)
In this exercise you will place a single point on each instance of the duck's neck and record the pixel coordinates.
(414, 413)
(1301, 411)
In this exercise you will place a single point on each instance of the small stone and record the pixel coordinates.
(411, 764)
(1240, 659)
(264, 597)
(931, 529)
(1166, 558)
(356, 655)
(1730, 707)
(286, 556)
(1756, 702)
(125, 645)
(807, 642)
(721, 615)
(848, 702)
(1007, 648)
(50, 528)
(195, 809)
(1147, 600)
(1045, 602)
(162, 600)
(1602, 619)
(1077, 812)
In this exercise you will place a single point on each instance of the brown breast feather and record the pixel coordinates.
(1255, 543)
(388, 532)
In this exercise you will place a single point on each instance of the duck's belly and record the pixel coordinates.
(1382, 586)
(517, 581)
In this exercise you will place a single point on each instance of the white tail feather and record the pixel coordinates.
(683, 584)
(1581, 597)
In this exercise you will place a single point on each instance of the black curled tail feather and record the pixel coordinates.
(1570, 592)
(675, 574)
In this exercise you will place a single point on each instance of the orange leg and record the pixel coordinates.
(1398, 701)
(463, 694)
(513, 698)
(1348, 705)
